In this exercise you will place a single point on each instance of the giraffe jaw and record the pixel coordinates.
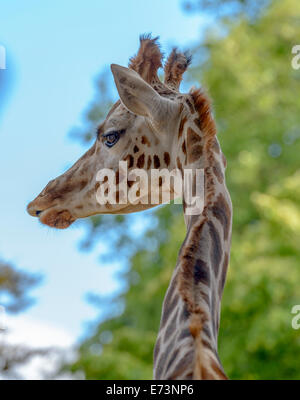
(60, 219)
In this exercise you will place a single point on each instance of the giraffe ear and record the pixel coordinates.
(138, 96)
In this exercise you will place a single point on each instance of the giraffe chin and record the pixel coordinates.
(57, 219)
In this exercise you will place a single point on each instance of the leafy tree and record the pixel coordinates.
(14, 287)
(256, 101)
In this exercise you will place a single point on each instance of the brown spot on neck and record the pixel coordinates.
(145, 141)
(149, 162)
(156, 161)
(141, 161)
(192, 137)
(167, 158)
(195, 153)
(201, 272)
(216, 248)
(179, 165)
(222, 212)
(130, 160)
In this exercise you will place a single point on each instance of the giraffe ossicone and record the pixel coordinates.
(155, 127)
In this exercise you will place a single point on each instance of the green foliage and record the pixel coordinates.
(14, 287)
(256, 101)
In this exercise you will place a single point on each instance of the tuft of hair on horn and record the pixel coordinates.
(148, 59)
(175, 66)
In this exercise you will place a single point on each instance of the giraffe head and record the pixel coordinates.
(145, 128)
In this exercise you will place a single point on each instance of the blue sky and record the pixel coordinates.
(55, 50)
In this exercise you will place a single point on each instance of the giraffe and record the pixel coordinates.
(153, 125)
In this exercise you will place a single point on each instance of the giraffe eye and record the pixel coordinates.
(111, 138)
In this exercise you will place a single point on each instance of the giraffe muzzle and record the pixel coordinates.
(33, 210)
(60, 219)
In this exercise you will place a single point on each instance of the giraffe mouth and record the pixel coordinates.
(56, 219)
(60, 219)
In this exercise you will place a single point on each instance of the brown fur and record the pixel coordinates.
(149, 162)
(60, 220)
(141, 161)
(145, 141)
(195, 153)
(176, 65)
(192, 137)
(203, 106)
(130, 160)
(179, 165)
(222, 212)
(148, 59)
(156, 162)
(167, 159)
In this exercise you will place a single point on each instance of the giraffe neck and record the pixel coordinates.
(187, 346)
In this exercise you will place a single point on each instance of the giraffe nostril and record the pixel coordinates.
(37, 213)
